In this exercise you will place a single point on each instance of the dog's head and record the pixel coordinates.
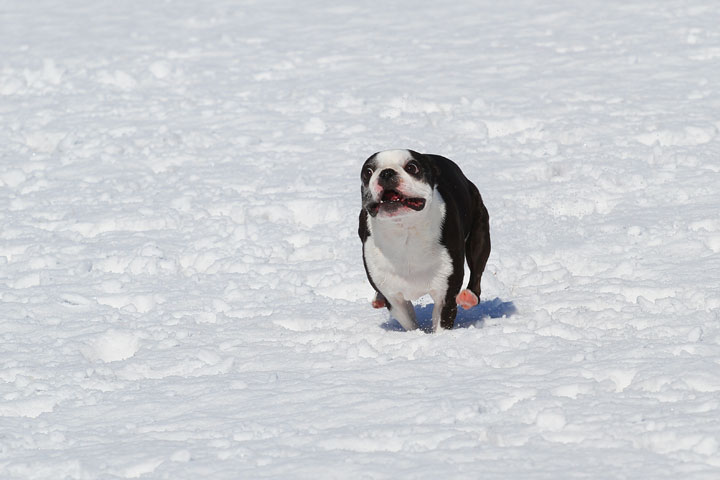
(396, 182)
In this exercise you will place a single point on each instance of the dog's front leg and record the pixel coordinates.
(439, 303)
(403, 312)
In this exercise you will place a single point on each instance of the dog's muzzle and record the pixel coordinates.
(392, 200)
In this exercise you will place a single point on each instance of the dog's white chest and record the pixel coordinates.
(405, 257)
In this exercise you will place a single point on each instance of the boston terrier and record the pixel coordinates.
(420, 218)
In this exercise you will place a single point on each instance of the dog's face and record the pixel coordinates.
(396, 183)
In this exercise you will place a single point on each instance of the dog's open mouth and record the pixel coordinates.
(392, 199)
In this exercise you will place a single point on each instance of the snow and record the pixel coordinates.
(182, 291)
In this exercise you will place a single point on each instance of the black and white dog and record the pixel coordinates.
(420, 218)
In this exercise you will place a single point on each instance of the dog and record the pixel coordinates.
(420, 219)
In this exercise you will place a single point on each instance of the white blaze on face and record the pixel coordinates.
(408, 185)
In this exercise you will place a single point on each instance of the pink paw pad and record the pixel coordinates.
(466, 299)
(378, 301)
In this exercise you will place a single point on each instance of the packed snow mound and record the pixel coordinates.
(182, 291)
(112, 346)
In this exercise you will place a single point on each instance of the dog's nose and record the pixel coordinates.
(387, 174)
(388, 178)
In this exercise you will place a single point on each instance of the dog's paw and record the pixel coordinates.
(466, 299)
(379, 301)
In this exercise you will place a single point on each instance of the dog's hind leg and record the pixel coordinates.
(477, 251)
(379, 301)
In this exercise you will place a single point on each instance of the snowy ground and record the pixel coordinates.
(182, 292)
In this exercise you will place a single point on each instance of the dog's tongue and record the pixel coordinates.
(391, 196)
(394, 198)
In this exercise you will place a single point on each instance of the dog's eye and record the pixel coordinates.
(366, 174)
(412, 168)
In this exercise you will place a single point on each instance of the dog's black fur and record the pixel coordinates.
(465, 228)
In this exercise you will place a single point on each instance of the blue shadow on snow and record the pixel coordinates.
(476, 316)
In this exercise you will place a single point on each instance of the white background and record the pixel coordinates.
(181, 285)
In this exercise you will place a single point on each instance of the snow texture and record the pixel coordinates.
(181, 287)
